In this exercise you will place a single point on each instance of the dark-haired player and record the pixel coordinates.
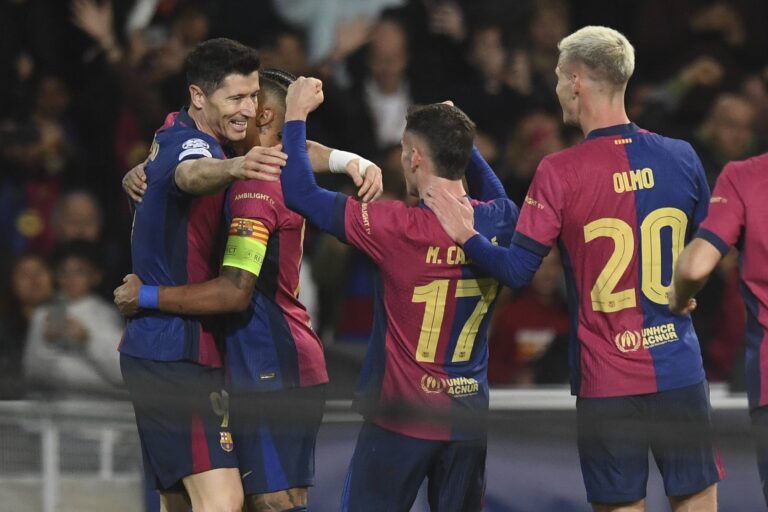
(738, 216)
(620, 205)
(171, 363)
(274, 360)
(428, 351)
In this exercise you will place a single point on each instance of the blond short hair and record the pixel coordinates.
(605, 51)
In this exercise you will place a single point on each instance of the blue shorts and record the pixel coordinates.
(275, 433)
(388, 468)
(616, 433)
(182, 414)
(760, 432)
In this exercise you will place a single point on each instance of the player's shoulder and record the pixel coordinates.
(564, 157)
(747, 167)
(499, 208)
(270, 188)
(256, 190)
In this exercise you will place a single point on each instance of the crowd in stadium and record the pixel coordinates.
(87, 83)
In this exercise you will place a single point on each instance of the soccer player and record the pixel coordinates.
(274, 360)
(620, 205)
(428, 351)
(171, 364)
(738, 216)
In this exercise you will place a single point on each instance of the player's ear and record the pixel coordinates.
(417, 158)
(196, 96)
(264, 116)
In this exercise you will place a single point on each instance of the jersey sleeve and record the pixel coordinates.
(254, 213)
(186, 145)
(255, 200)
(541, 216)
(727, 213)
(374, 228)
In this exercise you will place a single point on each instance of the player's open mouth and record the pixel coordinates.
(239, 126)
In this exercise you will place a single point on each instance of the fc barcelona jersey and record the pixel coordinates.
(428, 350)
(621, 206)
(175, 241)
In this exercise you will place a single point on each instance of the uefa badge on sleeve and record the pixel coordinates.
(225, 440)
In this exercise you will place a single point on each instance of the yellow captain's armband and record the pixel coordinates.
(246, 245)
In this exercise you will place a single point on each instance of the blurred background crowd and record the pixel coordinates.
(85, 83)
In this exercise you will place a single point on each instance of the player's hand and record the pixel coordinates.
(370, 185)
(455, 214)
(304, 95)
(135, 182)
(127, 295)
(262, 163)
(676, 306)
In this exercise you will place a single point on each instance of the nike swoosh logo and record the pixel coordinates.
(245, 475)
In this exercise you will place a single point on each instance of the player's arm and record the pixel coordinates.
(365, 174)
(228, 293)
(482, 182)
(720, 230)
(300, 190)
(203, 176)
(694, 265)
(513, 266)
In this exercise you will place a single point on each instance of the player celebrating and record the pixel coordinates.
(171, 364)
(274, 359)
(429, 344)
(620, 205)
(737, 217)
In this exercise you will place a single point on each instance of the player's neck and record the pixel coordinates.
(603, 114)
(199, 119)
(454, 187)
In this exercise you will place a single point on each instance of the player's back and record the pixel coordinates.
(630, 201)
(428, 348)
(271, 344)
(175, 240)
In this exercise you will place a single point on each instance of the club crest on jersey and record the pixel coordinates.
(628, 341)
(225, 440)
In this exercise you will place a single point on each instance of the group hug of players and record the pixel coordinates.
(227, 376)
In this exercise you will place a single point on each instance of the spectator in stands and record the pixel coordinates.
(29, 286)
(728, 134)
(78, 216)
(524, 328)
(531, 65)
(382, 97)
(487, 99)
(72, 341)
(39, 153)
(536, 135)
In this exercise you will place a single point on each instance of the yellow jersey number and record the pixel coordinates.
(434, 296)
(604, 295)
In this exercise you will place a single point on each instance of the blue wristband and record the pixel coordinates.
(149, 296)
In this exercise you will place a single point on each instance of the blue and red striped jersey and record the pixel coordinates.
(738, 215)
(621, 206)
(429, 347)
(176, 240)
(271, 344)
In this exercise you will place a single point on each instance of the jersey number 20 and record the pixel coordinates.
(434, 296)
(604, 295)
